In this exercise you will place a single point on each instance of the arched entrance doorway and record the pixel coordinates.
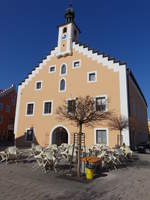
(59, 136)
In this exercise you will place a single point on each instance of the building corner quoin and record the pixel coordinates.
(124, 101)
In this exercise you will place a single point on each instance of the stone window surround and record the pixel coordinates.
(107, 135)
(30, 115)
(47, 101)
(91, 72)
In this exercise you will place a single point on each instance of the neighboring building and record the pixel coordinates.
(149, 129)
(73, 70)
(137, 111)
(7, 115)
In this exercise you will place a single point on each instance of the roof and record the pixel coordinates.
(136, 83)
(110, 58)
(7, 91)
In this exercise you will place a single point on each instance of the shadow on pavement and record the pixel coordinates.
(139, 160)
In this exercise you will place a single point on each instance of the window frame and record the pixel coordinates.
(101, 96)
(61, 91)
(74, 61)
(47, 101)
(30, 115)
(60, 69)
(26, 135)
(91, 72)
(107, 135)
(40, 81)
(52, 71)
(70, 99)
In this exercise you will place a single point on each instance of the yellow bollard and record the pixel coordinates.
(89, 173)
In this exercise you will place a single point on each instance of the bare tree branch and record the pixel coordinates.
(118, 123)
(85, 112)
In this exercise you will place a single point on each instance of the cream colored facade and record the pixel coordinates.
(111, 82)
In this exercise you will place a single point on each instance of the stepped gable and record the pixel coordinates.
(108, 59)
(101, 53)
(37, 67)
(118, 62)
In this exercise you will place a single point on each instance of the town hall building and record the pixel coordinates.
(69, 71)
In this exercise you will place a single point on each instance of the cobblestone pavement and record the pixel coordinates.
(22, 182)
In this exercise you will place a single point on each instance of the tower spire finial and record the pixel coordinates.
(69, 14)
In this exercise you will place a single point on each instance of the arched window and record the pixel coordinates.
(63, 69)
(62, 85)
(65, 30)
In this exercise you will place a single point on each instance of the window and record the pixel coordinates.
(76, 64)
(29, 135)
(7, 108)
(100, 104)
(92, 76)
(64, 30)
(38, 85)
(1, 106)
(64, 35)
(47, 109)
(62, 86)
(52, 69)
(1, 119)
(63, 69)
(30, 109)
(71, 105)
(101, 136)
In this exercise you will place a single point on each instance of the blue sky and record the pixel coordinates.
(28, 31)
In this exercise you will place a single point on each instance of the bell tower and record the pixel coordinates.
(68, 32)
